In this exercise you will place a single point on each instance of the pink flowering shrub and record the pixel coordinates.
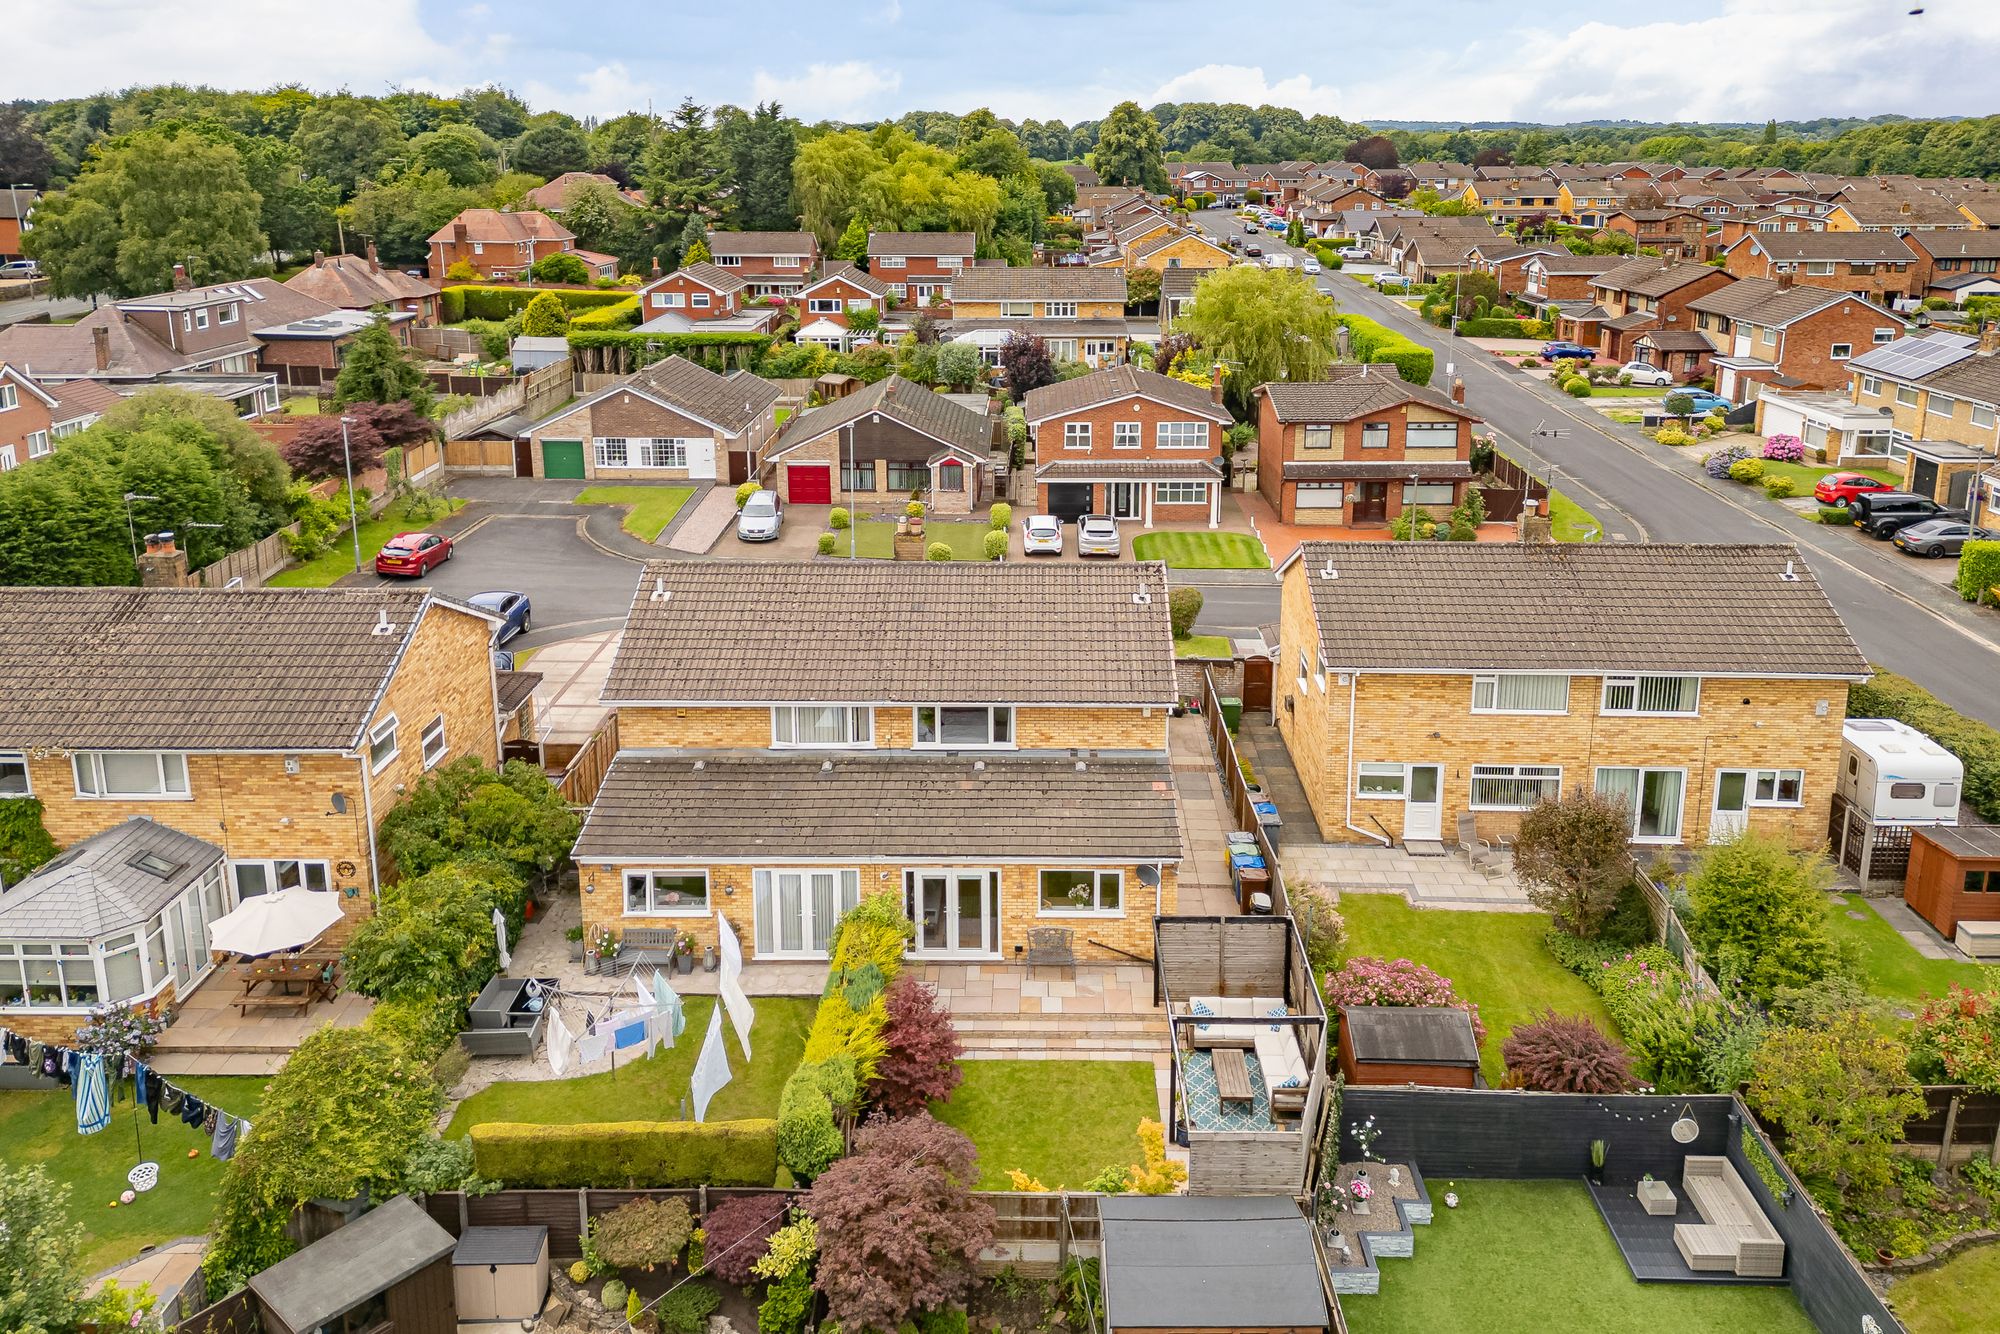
(1368, 981)
(1784, 448)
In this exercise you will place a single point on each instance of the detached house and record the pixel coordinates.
(1722, 716)
(1775, 332)
(1639, 296)
(705, 298)
(1359, 449)
(1561, 276)
(359, 282)
(773, 263)
(920, 267)
(1876, 266)
(1884, 208)
(672, 420)
(827, 306)
(499, 243)
(1957, 265)
(988, 742)
(883, 444)
(1131, 444)
(1671, 231)
(1078, 312)
(33, 417)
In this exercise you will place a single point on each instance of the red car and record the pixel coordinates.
(1840, 488)
(412, 554)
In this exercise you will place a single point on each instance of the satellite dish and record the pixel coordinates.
(1684, 1129)
(1149, 876)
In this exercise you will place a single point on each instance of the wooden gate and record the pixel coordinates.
(524, 457)
(1257, 674)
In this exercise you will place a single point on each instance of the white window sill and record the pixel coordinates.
(1637, 713)
(701, 911)
(133, 796)
(1378, 796)
(964, 745)
(1523, 713)
(1500, 809)
(822, 745)
(1080, 912)
(430, 764)
(1656, 841)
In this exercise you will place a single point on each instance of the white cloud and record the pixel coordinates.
(890, 12)
(850, 90)
(1247, 84)
(606, 91)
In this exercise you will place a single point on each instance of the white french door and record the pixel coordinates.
(796, 910)
(957, 912)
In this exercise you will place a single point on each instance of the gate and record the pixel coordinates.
(524, 457)
(1257, 676)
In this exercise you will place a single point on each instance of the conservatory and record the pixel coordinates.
(117, 917)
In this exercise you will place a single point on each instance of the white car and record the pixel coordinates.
(1356, 252)
(1641, 373)
(1097, 535)
(1309, 265)
(1042, 534)
(1278, 262)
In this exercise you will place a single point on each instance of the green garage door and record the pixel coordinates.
(562, 458)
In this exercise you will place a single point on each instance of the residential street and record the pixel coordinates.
(1903, 620)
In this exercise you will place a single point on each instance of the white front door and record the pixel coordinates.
(957, 912)
(1732, 805)
(701, 456)
(1123, 498)
(1423, 803)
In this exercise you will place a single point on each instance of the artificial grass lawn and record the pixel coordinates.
(875, 539)
(1522, 1257)
(1202, 646)
(651, 1088)
(1954, 1298)
(1061, 1122)
(1892, 967)
(652, 507)
(337, 561)
(1495, 960)
(1571, 522)
(40, 1129)
(1202, 551)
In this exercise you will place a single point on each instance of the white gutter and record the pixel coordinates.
(1353, 683)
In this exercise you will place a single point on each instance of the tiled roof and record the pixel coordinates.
(1982, 244)
(921, 243)
(1652, 277)
(762, 243)
(501, 226)
(1582, 607)
(94, 889)
(1868, 247)
(900, 400)
(1039, 284)
(885, 631)
(884, 807)
(198, 669)
(1147, 246)
(1353, 394)
(1762, 301)
(555, 195)
(708, 275)
(1335, 471)
(1589, 265)
(1638, 319)
(852, 274)
(352, 283)
(1883, 208)
(45, 350)
(1121, 382)
(1975, 377)
(730, 401)
(1153, 469)
(81, 398)
(1677, 340)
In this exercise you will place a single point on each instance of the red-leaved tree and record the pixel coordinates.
(899, 1226)
(317, 453)
(1025, 358)
(1566, 1053)
(736, 1234)
(923, 1049)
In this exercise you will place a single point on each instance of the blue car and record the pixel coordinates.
(1567, 352)
(1704, 401)
(511, 608)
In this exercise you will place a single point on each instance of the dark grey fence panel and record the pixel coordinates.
(1525, 1136)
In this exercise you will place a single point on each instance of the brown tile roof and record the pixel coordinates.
(1762, 301)
(1588, 265)
(69, 349)
(1039, 284)
(1121, 382)
(762, 243)
(200, 669)
(729, 401)
(513, 689)
(1147, 246)
(1982, 244)
(555, 195)
(81, 398)
(708, 275)
(853, 274)
(1677, 340)
(1582, 607)
(500, 226)
(1350, 394)
(1638, 319)
(1646, 276)
(891, 807)
(1975, 377)
(921, 243)
(890, 632)
(352, 283)
(1153, 469)
(1884, 208)
(901, 400)
(1867, 247)
(1396, 468)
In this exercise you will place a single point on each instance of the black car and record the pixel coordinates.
(1881, 513)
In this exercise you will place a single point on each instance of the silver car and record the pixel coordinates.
(1097, 535)
(1042, 535)
(760, 518)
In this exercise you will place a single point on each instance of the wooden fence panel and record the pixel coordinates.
(238, 1313)
(585, 772)
(485, 455)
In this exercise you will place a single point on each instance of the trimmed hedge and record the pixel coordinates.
(1373, 342)
(1494, 326)
(628, 1155)
(1976, 745)
(619, 352)
(1978, 570)
(497, 303)
(619, 315)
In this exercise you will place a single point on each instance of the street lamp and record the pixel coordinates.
(353, 520)
(131, 531)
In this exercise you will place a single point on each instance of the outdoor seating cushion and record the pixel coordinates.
(1283, 1063)
(1734, 1234)
(1231, 1007)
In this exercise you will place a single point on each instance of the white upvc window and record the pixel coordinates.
(1427, 493)
(727, 261)
(10, 398)
(38, 444)
(611, 451)
(666, 893)
(433, 741)
(479, 247)
(1180, 493)
(820, 305)
(1059, 310)
(14, 780)
(1942, 405)
(891, 262)
(1669, 696)
(699, 300)
(382, 744)
(1514, 787)
(958, 725)
(1125, 435)
(667, 300)
(1381, 782)
(154, 774)
(274, 875)
(665, 452)
(1520, 692)
(226, 315)
(1982, 416)
(1882, 336)
(8, 462)
(1017, 310)
(1777, 787)
(1076, 435)
(1181, 435)
(1906, 395)
(1871, 386)
(201, 319)
(788, 261)
(1066, 893)
(808, 726)
(1841, 351)
(1819, 268)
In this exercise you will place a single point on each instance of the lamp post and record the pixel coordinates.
(353, 519)
(131, 530)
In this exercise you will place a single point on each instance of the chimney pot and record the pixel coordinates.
(374, 264)
(163, 565)
(100, 347)
(319, 258)
(1215, 385)
(181, 283)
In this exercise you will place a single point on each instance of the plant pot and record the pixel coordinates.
(591, 964)
(1361, 1207)
(576, 951)
(685, 963)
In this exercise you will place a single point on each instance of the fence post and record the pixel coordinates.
(1950, 1129)
(582, 1212)
(464, 1214)
(1062, 1242)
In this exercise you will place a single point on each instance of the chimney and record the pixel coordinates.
(1533, 526)
(1215, 385)
(181, 283)
(374, 264)
(1785, 279)
(1458, 389)
(319, 258)
(1989, 338)
(459, 236)
(656, 266)
(164, 565)
(100, 347)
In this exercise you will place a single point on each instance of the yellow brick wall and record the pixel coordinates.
(447, 670)
(1035, 729)
(1091, 729)
(1130, 930)
(694, 728)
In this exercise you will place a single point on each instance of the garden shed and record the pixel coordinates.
(1431, 1045)
(1191, 1264)
(1954, 884)
(389, 1269)
(501, 1273)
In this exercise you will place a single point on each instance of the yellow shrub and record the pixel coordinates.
(1159, 1174)
(1022, 1181)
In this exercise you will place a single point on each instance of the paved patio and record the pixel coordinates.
(1427, 882)
(1282, 539)
(210, 1037)
(573, 673)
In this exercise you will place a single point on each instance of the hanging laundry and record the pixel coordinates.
(730, 986)
(93, 1097)
(711, 1068)
(561, 1045)
(223, 1145)
(155, 1088)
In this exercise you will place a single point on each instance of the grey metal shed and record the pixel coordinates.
(501, 1273)
(391, 1265)
(1191, 1264)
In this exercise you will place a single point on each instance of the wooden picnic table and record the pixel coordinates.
(290, 977)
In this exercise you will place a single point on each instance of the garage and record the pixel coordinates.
(1067, 500)
(562, 459)
(809, 483)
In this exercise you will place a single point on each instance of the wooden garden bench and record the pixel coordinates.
(647, 945)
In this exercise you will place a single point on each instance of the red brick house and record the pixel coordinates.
(1878, 266)
(554, 197)
(1637, 297)
(352, 282)
(1775, 332)
(1131, 444)
(773, 263)
(702, 297)
(672, 421)
(1957, 264)
(502, 244)
(16, 207)
(27, 419)
(1508, 262)
(1685, 352)
(1674, 232)
(919, 266)
(826, 306)
(1561, 276)
(1356, 450)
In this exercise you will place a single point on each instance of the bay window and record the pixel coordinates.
(821, 725)
(965, 725)
(130, 773)
(1672, 695)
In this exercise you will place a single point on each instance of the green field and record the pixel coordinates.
(1571, 522)
(1955, 1298)
(1202, 646)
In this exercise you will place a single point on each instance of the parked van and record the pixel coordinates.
(1894, 774)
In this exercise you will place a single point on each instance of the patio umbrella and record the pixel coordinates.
(93, 1099)
(269, 923)
(500, 932)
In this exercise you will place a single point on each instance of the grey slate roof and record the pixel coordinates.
(921, 243)
(1585, 608)
(920, 633)
(1677, 340)
(93, 889)
(198, 669)
(1351, 395)
(883, 805)
(1039, 284)
(852, 274)
(1413, 1035)
(1590, 265)
(1121, 382)
(1209, 1262)
(906, 401)
(343, 1269)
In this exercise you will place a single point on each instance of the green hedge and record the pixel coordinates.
(1373, 342)
(1978, 570)
(620, 315)
(628, 1155)
(1976, 745)
(497, 303)
(1501, 327)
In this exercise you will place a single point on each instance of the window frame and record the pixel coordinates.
(1755, 781)
(1182, 493)
(1180, 435)
(1512, 774)
(1605, 706)
(1322, 431)
(1076, 435)
(101, 791)
(1381, 769)
(1871, 386)
(1127, 435)
(653, 907)
(10, 397)
(38, 444)
(993, 713)
(611, 451)
(1421, 428)
(1098, 877)
(1941, 405)
(1413, 495)
(1840, 351)
(10, 759)
(1495, 678)
(1374, 435)
(1680, 815)
(1915, 395)
(1059, 310)
(860, 722)
(433, 730)
(1990, 416)
(377, 762)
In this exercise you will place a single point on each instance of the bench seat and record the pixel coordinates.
(1734, 1235)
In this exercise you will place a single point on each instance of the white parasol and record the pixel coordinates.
(269, 923)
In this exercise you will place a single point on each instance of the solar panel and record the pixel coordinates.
(1915, 357)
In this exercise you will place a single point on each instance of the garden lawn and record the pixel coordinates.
(875, 539)
(302, 405)
(1571, 522)
(1805, 476)
(337, 561)
(1627, 391)
(1522, 1257)
(651, 1088)
(652, 508)
(1954, 1298)
(1202, 551)
(1061, 1122)
(1202, 646)
(1890, 965)
(40, 1129)
(1495, 960)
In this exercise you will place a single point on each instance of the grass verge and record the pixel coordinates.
(1202, 551)
(1571, 522)
(1202, 646)
(337, 561)
(876, 540)
(1061, 1122)
(650, 508)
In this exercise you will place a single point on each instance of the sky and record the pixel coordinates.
(1458, 60)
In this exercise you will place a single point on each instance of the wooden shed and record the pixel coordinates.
(1954, 884)
(1415, 1044)
(387, 1272)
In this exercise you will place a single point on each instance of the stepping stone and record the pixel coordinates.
(1858, 916)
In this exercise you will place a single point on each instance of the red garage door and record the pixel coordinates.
(809, 483)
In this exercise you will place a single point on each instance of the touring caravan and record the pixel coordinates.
(1894, 774)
